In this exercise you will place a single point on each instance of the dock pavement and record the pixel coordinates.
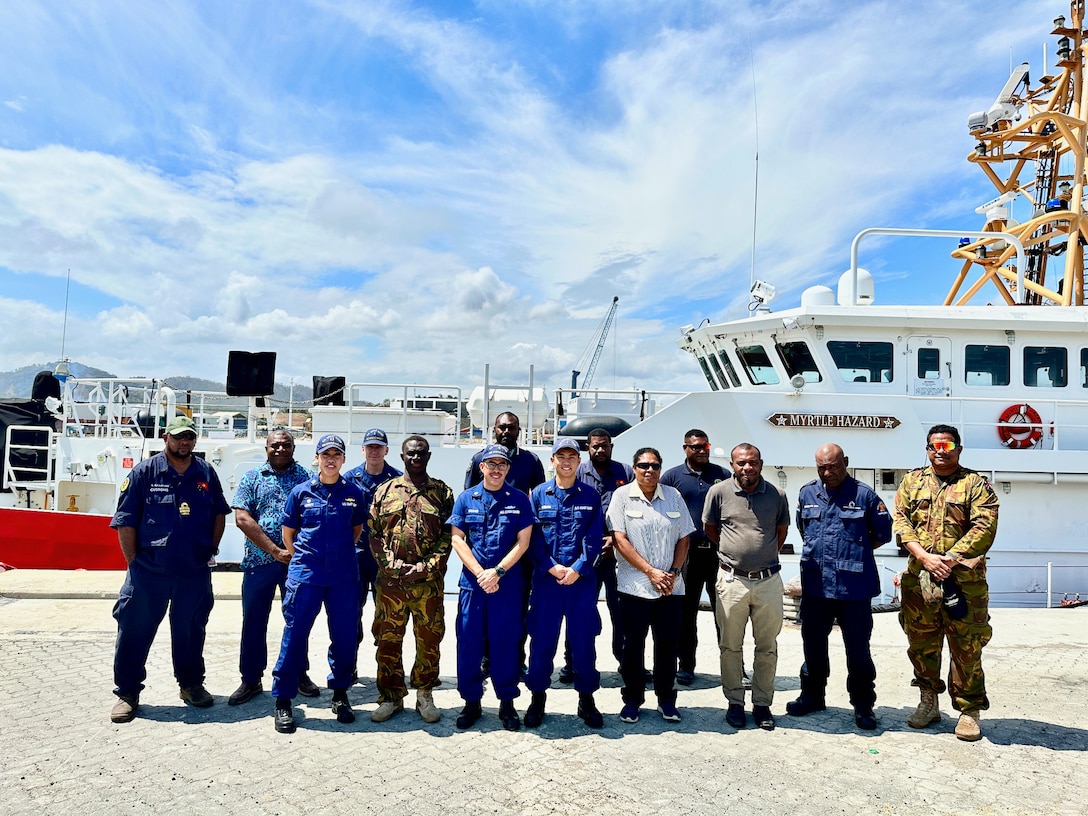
(62, 755)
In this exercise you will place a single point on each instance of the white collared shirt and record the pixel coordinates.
(653, 527)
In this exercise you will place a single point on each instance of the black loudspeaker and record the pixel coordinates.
(251, 373)
(329, 390)
(45, 385)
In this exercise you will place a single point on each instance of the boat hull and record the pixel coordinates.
(51, 539)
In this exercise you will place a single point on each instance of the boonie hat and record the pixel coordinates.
(565, 442)
(375, 436)
(330, 441)
(495, 452)
(180, 425)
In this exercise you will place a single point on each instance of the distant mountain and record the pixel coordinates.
(18, 383)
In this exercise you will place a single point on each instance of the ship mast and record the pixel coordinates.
(1042, 129)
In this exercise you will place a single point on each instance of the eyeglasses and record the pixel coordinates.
(495, 465)
(648, 466)
(941, 446)
(699, 447)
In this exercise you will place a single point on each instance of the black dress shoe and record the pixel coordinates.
(566, 675)
(685, 678)
(285, 717)
(763, 718)
(509, 715)
(865, 720)
(244, 693)
(307, 687)
(804, 705)
(735, 716)
(469, 715)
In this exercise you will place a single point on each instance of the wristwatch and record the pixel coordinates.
(499, 571)
(675, 570)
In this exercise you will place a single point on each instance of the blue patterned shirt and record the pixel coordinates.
(262, 493)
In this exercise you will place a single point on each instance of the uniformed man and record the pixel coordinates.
(322, 519)
(367, 476)
(170, 518)
(491, 525)
(410, 540)
(601, 472)
(525, 471)
(565, 543)
(258, 503)
(946, 518)
(693, 479)
(841, 522)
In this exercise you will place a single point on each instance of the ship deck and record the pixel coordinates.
(63, 755)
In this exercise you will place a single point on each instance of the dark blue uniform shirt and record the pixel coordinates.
(569, 527)
(491, 523)
(368, 483)
(840, 528)
(618, 475)
(173, 514)
(693, 487)
(325, 517)
(525, 471)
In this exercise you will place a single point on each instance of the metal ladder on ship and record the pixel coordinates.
(31, 477)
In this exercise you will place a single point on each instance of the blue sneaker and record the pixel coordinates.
(629, 713)
(668, 712)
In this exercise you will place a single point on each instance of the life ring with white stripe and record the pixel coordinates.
(1020, 426)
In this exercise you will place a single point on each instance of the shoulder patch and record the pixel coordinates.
(125, 484)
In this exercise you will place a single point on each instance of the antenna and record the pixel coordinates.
(68, 286)
(755, 187)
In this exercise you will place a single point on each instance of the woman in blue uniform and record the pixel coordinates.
(322, 520)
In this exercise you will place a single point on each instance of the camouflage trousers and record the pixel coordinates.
(394, 603)
(927, 626)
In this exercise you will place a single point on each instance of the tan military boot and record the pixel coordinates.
(967, 728)
(927, 713)
(426, 707)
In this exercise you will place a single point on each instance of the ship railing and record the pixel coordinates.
(634, 403)
(1070, 584)
(109, 407)
(413, 404)
(25, 446)
(1059, 418)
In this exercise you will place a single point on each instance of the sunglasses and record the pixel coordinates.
(701, 447)
(941, 446)
(186, 437)
(648, 466)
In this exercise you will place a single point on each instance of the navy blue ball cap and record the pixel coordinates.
(329, 442)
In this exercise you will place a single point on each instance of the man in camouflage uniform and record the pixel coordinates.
(411, 543)
(946, 518)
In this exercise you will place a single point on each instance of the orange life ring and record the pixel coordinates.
(1020, 426)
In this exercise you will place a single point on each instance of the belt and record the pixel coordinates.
(752, 576)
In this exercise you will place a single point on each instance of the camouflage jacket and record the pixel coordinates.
(408, 524)
(954, 516)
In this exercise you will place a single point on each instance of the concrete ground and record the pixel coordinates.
(63, 755)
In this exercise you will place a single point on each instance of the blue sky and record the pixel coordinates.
(405, 191)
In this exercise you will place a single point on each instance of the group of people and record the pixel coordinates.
(535, 554)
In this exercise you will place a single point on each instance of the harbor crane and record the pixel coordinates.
(601, 336)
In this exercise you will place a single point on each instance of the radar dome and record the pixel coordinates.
(818, 296)
(864, 291)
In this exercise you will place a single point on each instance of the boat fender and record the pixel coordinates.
(1020, 426)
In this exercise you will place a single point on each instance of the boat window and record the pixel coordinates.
(797, 359)
(1045, 367)
(728, 366)
(706, 373)
(718, 370)
(757, 365)
(1084, 368)
(986, 365)
(859, 361)
(929, 364)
